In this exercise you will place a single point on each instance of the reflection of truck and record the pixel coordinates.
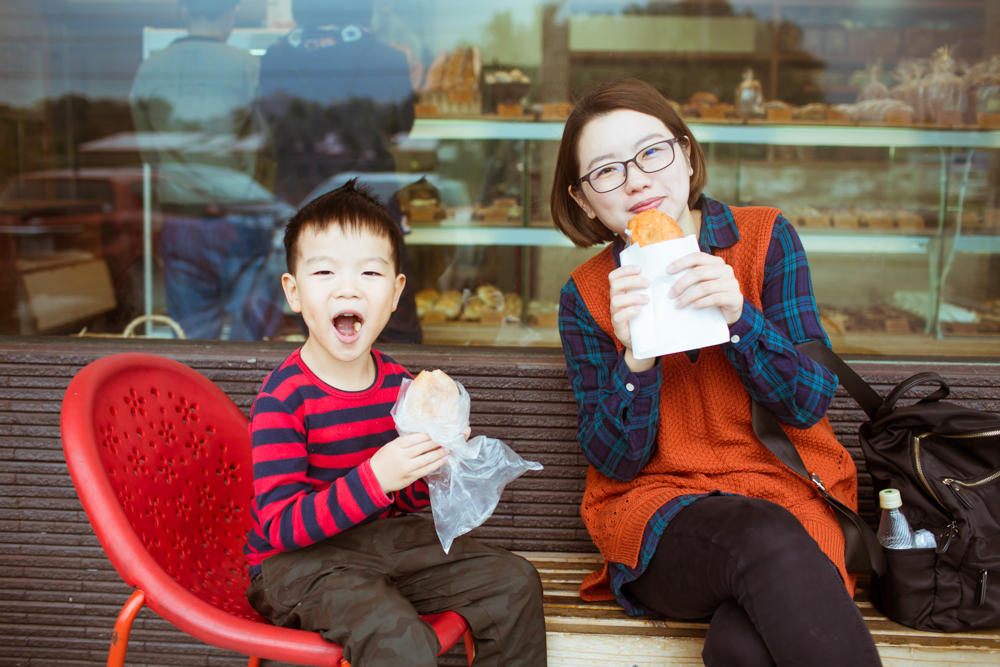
(71, 241)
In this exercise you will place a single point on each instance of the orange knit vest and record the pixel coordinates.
(705, 440)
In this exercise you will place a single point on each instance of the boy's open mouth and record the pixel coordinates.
(348, 325)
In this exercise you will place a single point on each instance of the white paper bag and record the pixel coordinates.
(661, 328)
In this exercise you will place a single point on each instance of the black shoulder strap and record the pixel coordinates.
(862, 551)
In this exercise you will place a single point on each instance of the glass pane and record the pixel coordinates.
(196, 128)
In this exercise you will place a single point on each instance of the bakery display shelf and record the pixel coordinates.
(814, 242)
(487, 236)
(922, 345)
(475, 333)
(735, 132)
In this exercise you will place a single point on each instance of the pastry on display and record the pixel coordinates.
(943, 89)
(451, 86)
(874, 111)
(491, 296)
(855, 217)
(874, 89)
(909, 73)
(512, 305)
(473, 310)
(816, 112)
(425, 299)
(502, 210)
(543, 313)
(448, 305)
(507, 90)
(421, 202)
(749, 95)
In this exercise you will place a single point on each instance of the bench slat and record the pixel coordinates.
(578, 628)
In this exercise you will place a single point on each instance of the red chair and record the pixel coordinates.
(160, 458)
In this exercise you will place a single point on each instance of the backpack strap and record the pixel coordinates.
(861, 391)
(862, 550)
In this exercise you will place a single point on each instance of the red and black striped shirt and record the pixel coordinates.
(312, 477)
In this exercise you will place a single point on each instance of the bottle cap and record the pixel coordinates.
(889, 499)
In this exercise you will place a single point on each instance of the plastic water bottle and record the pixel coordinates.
(893, 530)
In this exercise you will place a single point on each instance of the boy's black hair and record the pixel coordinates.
(353, 206)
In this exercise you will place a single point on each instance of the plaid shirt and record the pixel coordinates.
(617, 427)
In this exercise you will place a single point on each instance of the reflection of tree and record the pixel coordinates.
(684, 8)
(506, 41)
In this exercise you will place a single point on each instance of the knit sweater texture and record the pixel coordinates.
(705, 438)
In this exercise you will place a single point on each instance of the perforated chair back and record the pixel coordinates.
(176, 453)
(161, 460)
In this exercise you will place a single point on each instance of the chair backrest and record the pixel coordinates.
(160, 458)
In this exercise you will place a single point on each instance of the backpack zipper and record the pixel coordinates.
(920, 469)
(984, 582)
(954, 484)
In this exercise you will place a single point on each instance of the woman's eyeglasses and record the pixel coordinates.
(650, 159)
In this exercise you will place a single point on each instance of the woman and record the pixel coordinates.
(693, 515)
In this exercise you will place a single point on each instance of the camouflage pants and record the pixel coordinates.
(364, 589)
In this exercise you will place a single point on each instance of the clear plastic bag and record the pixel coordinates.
(466, 489)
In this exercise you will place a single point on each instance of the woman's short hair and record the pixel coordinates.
(632, 94)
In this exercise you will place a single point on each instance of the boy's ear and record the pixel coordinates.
(291, 292)
(400, 283)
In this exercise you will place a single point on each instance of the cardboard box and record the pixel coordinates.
(67, 294)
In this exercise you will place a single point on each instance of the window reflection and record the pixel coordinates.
(452, 110)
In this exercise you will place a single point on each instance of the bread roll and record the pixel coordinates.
(432, 396)
(653, 226)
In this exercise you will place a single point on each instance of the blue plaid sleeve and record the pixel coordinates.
(618, 410)
(795, 388)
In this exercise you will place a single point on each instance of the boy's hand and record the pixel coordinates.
(406, 459)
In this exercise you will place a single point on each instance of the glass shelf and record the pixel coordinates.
(726, 133)
(813, 242)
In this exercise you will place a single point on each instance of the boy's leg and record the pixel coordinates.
(341, 589)
(497, 592)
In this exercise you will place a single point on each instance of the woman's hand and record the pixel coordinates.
(626, 303)
(710, 282)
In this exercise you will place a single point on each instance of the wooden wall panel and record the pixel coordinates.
(59, 595)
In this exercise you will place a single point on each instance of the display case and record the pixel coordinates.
(874, 126)
(902, 240)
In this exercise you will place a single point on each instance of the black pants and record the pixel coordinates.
(364, 588)
(774, 596)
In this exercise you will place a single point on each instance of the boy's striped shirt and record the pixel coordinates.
(312, 477)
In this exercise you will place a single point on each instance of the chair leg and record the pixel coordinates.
(254, 662)
(123, 626)
(470, 647)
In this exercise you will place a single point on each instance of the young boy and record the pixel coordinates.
(334, 547)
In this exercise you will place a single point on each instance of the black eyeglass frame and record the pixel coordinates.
(635, 160)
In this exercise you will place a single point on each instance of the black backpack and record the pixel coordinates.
(945, 461)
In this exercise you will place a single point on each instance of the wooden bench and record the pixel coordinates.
(583, 634)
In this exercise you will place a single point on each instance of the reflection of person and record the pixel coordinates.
(334, 548)
(692, 513)
(335, 97)
(194, 104)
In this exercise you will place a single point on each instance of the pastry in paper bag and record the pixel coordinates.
(660, 327)
(466, 489)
